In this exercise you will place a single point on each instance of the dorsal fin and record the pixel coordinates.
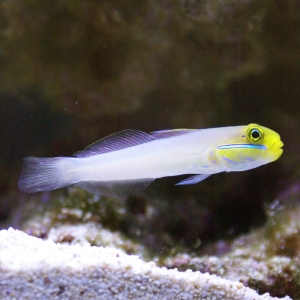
(162, 134)
(116, 141)
(117, 188)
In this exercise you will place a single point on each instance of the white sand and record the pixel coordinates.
(31, 268)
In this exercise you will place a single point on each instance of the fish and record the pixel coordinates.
(126, 162)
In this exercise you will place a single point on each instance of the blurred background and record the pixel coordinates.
(72, 72)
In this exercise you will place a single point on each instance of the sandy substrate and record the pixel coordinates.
(31, 268)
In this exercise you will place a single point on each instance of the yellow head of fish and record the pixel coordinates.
(248, 147)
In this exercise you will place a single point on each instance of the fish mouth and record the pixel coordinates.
(276, 149)
(278, 145)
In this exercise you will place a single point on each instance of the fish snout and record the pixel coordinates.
(275, 150)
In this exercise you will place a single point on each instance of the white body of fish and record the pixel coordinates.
(184, 154)
(129, 160)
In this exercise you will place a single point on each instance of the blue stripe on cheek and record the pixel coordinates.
(229, 160)
(234, 146)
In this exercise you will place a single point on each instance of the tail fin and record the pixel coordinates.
(43, 174)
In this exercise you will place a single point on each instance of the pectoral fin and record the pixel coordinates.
(193, 179)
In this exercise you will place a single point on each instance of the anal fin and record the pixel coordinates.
(193, 179)
(117, 188)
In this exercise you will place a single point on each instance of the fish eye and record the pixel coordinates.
(255, 134)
